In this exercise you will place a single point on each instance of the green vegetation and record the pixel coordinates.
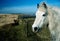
(23, 32)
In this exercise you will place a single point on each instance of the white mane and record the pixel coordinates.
(56, 9)
(54, 23)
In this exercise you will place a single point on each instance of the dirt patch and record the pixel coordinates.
(7, 18)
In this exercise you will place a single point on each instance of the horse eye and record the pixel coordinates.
(44, 14)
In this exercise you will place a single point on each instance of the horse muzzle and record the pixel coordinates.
(36, 29)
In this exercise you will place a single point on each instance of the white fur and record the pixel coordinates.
(54, 21)
(39, 19)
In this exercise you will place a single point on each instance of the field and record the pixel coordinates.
(23, 31)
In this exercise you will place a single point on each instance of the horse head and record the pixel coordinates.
(41, 17)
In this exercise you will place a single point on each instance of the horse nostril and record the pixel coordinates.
(35, 28)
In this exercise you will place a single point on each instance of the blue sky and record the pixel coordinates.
(23, 6)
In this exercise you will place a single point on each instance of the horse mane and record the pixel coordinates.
(56, 9)
(54, 17)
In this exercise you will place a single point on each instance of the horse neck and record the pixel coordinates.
(54, 23)
(56, 9)
(53, 18)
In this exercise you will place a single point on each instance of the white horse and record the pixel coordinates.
(47, 15)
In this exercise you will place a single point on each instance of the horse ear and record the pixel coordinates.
(37, 5)
(44, 5)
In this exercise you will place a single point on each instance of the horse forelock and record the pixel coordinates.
(43, 7)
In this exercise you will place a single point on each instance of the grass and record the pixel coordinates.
(23, 32)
